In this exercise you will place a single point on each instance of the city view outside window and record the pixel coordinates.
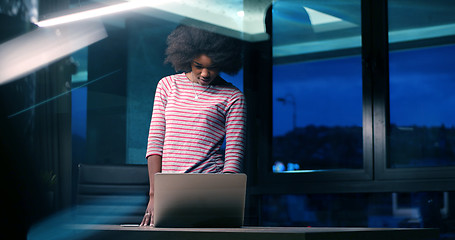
(422, 82)
(422, 122)
(317, 86)
(318, 115)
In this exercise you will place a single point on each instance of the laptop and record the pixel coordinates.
(199, 200)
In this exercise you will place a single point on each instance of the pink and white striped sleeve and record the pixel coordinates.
(158, 122)
(235, 133)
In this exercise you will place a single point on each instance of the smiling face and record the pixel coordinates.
(203, 70)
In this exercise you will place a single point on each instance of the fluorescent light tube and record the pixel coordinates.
(97, 12)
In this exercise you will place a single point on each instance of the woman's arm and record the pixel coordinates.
(157, 128)
(235, 134)
(155, 145)
(154, 166)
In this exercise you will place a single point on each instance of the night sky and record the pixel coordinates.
(329, 92)
(326, 92)
(422, 87)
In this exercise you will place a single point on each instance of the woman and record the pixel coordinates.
(195, 111)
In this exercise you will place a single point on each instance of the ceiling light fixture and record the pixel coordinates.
(116, 8)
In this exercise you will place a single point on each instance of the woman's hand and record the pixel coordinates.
(148, 216)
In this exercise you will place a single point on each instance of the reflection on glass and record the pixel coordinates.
(317, 117)
(422, 131)
(417, 20)
(304, 27)
(97, 112)
(80, 58)
(377, 210)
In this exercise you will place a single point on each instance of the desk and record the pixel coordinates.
(253, 233)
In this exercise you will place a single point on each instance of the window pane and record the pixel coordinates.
(422, 80)
(317, 105)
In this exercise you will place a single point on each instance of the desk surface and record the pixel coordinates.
(248, 233)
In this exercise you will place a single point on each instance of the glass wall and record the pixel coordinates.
(317, 86)
(422, 130)
(89, 101)
(317, 111)
(422, 79)
(318, 115)
(94, 105)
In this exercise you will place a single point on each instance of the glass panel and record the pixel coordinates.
(317, 117)
(420, 20)
(79, 106)
(86, 96)
(389, 210)
(422, 132)
(311, 26)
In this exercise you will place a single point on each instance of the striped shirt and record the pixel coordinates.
(190, 122)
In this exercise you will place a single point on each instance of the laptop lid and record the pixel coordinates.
(199, 200)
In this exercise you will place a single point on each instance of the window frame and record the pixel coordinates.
(375, 176)
(382, 114)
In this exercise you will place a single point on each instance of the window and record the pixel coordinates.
(329, 115)
(93, 106)
(317, 104)
(422, 131)
(422, 126)
(79, 107)
(318, 115)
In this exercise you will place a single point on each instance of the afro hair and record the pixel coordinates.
(186, 43)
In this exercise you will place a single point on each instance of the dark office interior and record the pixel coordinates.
(350, 117)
